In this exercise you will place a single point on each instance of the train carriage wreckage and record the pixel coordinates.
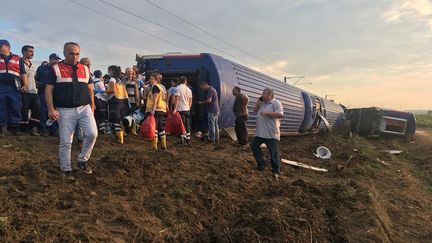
(304, 111)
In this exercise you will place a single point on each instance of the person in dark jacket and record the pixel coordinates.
(241, 113)
(42, 74)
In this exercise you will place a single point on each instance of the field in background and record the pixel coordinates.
(424, 121)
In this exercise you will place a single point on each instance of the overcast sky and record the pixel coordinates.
(362, 52)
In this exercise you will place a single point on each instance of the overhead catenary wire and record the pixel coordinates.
(182, 34)
(214, 36)
(128, 25)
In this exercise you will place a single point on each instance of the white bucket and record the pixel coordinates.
(323, 152)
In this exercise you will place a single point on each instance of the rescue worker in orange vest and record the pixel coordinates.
(157, 106)
(13, 79)
(69, 97)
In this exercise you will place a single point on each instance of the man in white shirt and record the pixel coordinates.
(269, 112)
(183, 104)
(30, 98)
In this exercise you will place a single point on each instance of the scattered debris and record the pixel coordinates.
(382, 161)
(323, 153)
(327, 124)
(162, 231)
(350, 158)
(394, 152)
(230, 132)
(299, 164)
(93, 193)
(7, 146)
(343, 167)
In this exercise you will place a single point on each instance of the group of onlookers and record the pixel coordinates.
(66, 98)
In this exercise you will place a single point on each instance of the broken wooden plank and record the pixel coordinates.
(302, 165)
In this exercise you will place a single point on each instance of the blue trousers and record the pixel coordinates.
(10, 106)
(213, 127)
(44, 115)
(273, 148)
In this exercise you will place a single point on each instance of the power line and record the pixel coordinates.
(179, 33)
(128, 25)
(213, 35)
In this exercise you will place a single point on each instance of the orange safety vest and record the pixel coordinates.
(12, 66)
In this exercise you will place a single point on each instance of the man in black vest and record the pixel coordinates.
(69, 96)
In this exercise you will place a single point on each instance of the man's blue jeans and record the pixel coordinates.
(273, 148)
(213, 127)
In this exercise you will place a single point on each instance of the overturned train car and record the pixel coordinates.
(304, 112)
(375, 121)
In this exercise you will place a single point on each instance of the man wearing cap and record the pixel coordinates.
(30, 98)
(69, 97)
(42, 74)
(13, 79)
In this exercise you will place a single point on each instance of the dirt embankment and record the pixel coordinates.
(201, 194)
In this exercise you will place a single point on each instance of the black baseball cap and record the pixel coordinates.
(4, 42)
(54, 56)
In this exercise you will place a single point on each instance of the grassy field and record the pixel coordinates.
(424, 121)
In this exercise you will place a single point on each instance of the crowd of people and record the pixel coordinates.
(64, 98)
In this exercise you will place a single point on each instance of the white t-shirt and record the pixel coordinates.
(30, 72)
(99, 85)
(184, 94)
(268, 127)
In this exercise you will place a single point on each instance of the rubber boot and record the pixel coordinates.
(154, 143)
(120, 137)
(134, 129)
(163, 143)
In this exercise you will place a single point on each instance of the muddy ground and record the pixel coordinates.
(203, 194)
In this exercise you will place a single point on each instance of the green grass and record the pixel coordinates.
(424, 121)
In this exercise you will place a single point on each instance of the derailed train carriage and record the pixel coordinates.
(304, 112)
(373, 122)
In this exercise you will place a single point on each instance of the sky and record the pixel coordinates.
(361, 53)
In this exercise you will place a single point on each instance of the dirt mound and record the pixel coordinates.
(207, 194)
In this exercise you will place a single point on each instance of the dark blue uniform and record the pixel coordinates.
(42, 75)
(10, 97)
